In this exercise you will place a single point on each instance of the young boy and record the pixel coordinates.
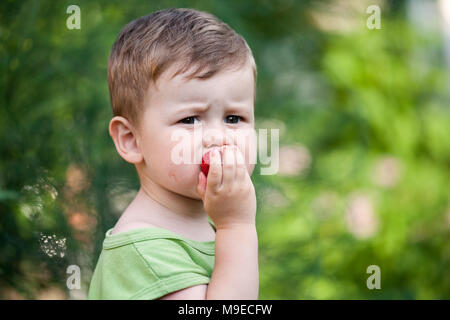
(185, 235)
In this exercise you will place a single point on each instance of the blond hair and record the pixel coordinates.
(148, 46)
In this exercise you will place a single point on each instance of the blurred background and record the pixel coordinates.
(364, 124)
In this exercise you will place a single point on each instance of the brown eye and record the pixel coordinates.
(233, 119)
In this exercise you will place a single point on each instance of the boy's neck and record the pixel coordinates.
(161, 207)
(174, 203)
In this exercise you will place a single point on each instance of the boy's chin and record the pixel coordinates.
(192, 195)
(196, 197)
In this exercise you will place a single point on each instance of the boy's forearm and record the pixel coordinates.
(235, 274)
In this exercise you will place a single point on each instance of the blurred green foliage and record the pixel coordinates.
(365, 151)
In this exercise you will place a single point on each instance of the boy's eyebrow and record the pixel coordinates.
(198, 107)
(202, 107)
(205, 106)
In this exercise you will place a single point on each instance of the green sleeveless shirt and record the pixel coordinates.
(148, 263)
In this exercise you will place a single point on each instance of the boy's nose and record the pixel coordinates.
(215, 137)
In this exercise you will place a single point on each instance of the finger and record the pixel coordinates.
(241, 168)
(201, 186)
(214, 179)
(229, 166)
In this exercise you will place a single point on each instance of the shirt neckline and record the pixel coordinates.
(148, 233)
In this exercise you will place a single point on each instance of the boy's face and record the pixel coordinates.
(192, 117)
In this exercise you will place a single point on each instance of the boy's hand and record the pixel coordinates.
(228, 193)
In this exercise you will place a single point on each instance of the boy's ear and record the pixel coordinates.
(125, 139)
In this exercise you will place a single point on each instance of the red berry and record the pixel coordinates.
(205, 163)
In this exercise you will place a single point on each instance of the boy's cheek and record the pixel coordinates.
(250, 168)
(183, 179)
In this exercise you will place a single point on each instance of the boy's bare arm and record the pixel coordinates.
(235, 274)
(230, 201)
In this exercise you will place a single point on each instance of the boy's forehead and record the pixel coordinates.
(234, 85)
